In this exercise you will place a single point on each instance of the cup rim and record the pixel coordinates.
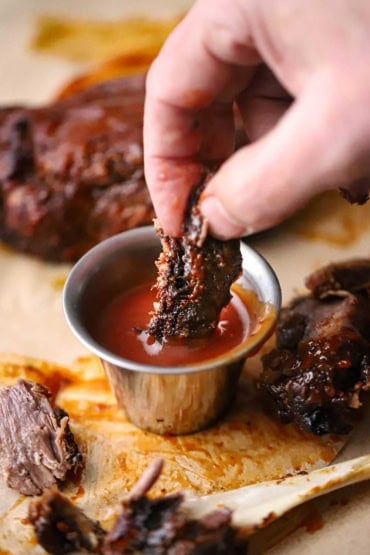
(74, 287)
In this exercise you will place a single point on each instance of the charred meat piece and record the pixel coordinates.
(145, 526)
(195, 273)
(347, 276)
(61, 527)
(71, 173)
(158, 527)
(37, 447)
(321, 366)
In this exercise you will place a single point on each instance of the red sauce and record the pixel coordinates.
(119, 324)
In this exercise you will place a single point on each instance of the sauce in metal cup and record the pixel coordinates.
(165, 399)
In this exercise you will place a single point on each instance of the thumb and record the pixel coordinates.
(316, 143)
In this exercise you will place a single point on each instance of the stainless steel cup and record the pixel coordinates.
(165, 400)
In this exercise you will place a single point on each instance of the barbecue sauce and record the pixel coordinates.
(122, 323)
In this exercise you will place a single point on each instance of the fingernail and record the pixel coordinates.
(220, 223)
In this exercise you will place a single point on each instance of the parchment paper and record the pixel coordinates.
(31, 318)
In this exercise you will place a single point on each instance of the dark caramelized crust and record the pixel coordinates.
(158, 527)
(321, 366)
(347, 276)
(145, 526)
(61, 527)
(37, 446)
(195, 273)
(71, 173)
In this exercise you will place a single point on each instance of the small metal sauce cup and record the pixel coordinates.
(164, 400)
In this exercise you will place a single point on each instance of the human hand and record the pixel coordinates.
(318, 52)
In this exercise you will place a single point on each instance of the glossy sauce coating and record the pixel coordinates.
(120, 326)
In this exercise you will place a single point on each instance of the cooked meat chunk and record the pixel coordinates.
(71, 173)
(37, 447)
(158, 527)
(145, 526)
(195, 273)
(321, 366)
(61, 527)
(347, 276)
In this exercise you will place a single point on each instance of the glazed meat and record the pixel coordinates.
(37, 448)
(195, 273)
(334, 278)
(71, 173)
(145, 526)
(61, 527)
(158, 527)
(321, 366)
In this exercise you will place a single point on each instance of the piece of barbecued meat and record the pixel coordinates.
(71, 173)
(61, 527)
(334, 278)
(37, 447)
(317, 374)
(158, 527)
(195, 273)
(145, 526)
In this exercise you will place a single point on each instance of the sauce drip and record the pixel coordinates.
(121, 326)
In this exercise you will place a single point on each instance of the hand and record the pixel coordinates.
(259, 55)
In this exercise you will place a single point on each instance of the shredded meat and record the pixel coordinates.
(321, 366)
(334, 278)
(158, 527)
(61, 527)
(71, 173)
(37, 447)
(195, 273)
(145, 526)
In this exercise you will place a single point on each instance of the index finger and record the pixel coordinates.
(202, 61)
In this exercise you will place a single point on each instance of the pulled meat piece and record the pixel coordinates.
(158, 527)
(145, 526)
(321, 365)
(195, 273)
(334, 278)
(71, 172)
(61, 527)
(37, 447)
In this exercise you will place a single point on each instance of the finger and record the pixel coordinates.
(315, 144)
(263, 103)
(260, 115)
(218, 132)
(176, 96)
